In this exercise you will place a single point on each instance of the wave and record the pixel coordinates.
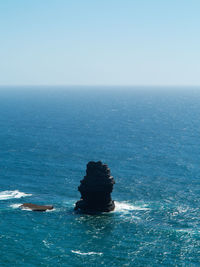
(4, 195)
(188, 231)
(28, 209)
(86, 253)
(126, 207)
(25, 208)
(51, 210)
(16, 206)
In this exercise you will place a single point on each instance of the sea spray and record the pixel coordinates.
(4, 195)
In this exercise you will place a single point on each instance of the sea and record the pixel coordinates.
(150, 139)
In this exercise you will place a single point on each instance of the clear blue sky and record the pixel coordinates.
(100, 42)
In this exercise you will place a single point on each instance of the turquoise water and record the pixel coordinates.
(150, 139)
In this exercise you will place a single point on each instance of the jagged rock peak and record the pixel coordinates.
(96, 188)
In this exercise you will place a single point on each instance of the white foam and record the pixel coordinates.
(86, 253)
(184, 230)
(26, 208)
(51, 210)
(182, 209)
(4, 195)
(15, 206)
(189, 231)
(126, 207)
(46, 243)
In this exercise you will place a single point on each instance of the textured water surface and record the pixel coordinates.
(149, 138)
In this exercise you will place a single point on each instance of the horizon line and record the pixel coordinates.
(97, 85)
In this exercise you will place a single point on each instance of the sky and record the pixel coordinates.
(100, 42)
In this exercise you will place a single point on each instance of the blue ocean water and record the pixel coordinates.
(150, 139)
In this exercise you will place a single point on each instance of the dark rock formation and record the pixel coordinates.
(35, 207)
(95, 189)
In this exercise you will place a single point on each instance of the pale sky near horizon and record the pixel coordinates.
(107, 42)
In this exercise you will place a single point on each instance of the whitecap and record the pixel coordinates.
(4, 195)
(185, 230)
(51, 210)
(16, 205)
(182, 209)
(46, 243)
(86, 253)
(126, 207)
(26, 209)
(189, 231)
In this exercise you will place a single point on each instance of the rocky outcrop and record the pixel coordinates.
(95, 189)
(35, 207)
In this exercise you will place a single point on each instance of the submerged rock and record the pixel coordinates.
(95, 189)
(35, 207)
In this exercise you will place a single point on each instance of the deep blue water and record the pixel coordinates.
(149, 138)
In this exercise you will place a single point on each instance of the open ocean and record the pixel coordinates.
(150, 139)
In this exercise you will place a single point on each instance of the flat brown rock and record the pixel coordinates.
(35, 207)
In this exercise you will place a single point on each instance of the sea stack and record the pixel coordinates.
(95, 189)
